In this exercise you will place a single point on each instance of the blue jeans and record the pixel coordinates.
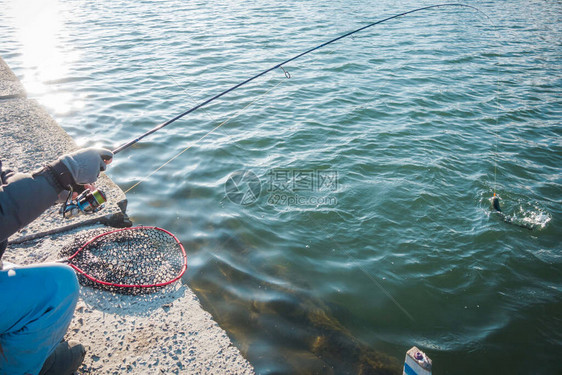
(36, 306)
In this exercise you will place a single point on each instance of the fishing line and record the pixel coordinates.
(495, 199)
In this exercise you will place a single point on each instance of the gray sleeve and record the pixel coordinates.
(23, 198)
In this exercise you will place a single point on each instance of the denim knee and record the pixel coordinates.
(63, 279)
(38, 303)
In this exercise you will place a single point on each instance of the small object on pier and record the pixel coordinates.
(416, 363)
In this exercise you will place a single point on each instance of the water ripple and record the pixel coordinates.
(418, 120)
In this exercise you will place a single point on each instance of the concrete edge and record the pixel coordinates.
(10, 85)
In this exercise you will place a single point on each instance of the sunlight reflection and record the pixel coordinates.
(45, 57)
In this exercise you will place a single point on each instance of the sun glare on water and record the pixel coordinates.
(45, 56)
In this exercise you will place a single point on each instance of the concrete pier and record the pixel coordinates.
(166, 332)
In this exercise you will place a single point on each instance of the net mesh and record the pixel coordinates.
(131, 260)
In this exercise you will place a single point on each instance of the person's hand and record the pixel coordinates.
(86, 164)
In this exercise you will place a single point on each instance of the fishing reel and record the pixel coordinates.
(88, 202)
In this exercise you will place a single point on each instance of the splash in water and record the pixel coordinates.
(527, 215)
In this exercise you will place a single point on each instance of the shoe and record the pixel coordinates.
(65, 359)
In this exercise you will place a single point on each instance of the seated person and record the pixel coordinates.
(37, 301)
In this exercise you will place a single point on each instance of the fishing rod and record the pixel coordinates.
(280, 65)
(93, 205)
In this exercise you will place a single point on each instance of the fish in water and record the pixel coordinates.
(507, 219)
(496, 203)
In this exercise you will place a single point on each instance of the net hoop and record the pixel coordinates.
(93, 279)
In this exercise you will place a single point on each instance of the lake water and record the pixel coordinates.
(359, 223)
